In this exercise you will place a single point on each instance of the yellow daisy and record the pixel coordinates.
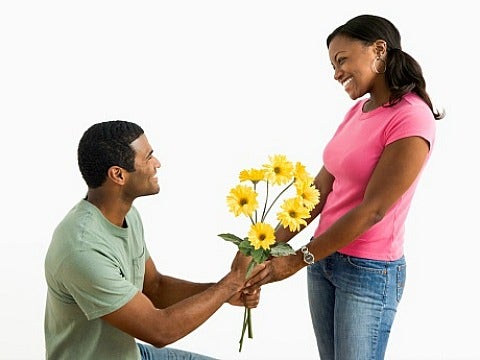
(309, 194)
(242, 200)
(261, 235)
(279, 171)
(301, 174)
(254, 175)
(294, 214)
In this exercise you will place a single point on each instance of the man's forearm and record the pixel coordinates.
(169, 290)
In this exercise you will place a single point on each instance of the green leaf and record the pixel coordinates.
(260, 255)
(250, 268)
(232, 238)
(281, 249)
(245, 247)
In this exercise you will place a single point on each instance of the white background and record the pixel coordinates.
(218, 86)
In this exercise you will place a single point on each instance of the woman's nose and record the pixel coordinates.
(337, 74)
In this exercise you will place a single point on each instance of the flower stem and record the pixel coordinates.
(265, 213)
(249, 320)
(247, 323)
(244, 326)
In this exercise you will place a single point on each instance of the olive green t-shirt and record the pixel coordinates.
(92, 268)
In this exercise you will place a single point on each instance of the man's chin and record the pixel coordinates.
(151, 192)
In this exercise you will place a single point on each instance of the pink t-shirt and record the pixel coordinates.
(351, 156)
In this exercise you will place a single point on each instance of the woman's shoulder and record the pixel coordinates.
(414, 102)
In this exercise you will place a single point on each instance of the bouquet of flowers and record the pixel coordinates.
(243, 199)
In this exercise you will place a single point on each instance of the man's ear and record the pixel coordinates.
(116, 174)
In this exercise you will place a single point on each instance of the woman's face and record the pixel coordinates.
(352, 61)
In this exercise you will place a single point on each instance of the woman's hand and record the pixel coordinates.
(276, 269)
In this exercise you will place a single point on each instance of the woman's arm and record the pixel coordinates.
(397, 169)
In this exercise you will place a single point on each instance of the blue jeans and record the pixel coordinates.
(353, 302)
(150, 352)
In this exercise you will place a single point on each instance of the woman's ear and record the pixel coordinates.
(380, 47)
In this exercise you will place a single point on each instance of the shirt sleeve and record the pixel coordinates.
(414, 121)
(96, 283)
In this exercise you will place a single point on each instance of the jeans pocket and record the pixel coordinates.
(401, 277)
(367, 265)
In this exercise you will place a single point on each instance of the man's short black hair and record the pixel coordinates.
(104, 145)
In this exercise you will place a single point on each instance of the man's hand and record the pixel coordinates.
(247, 298)
(240, 265)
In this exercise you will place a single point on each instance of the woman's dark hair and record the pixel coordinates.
(403, 73)
(104, 145)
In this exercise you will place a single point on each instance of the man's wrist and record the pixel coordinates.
(229, 284)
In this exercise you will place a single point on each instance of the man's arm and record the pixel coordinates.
(177, 309)
(164, 290)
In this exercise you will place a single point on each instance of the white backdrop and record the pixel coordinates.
(218, 86)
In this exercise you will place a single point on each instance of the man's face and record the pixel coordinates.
(143, 181)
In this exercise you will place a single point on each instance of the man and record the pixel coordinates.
(104, 290)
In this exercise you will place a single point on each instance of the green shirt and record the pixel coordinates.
(92, 268)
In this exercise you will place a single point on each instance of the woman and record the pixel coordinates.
(371, 168)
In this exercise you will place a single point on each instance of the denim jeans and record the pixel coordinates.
(353, 302)
(150, 352)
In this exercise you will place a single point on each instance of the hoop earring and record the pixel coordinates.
(375, 67)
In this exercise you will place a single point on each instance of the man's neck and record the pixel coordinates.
(112, 206)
